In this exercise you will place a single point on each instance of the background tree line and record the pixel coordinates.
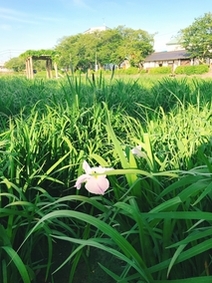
(197, 38)
(82, 51)
(111, 46)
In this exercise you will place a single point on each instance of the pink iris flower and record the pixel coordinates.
(95, 184)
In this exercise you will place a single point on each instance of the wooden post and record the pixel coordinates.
(31, 68)
(27, 68)
(48, 68)
(56, 70)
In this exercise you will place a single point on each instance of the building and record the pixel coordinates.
(174, 44)
(168, 58)
(174, 56)
(96, 29)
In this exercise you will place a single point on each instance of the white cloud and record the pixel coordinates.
(17, 16)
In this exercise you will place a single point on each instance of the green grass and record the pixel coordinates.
(155, 219)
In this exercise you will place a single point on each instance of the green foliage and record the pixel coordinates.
(154, 222)
(39, 65)
(192, 70)
(197, 38)
(128, 71)
(37, 53)
(17, 64)
(161, 70)
(83, 51)
(135, 45)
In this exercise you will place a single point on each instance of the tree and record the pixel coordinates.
(82, 50)
(197, 38)
(136, 45)
(68, 48)
(108, 43)
(109, 46)
(16, 63)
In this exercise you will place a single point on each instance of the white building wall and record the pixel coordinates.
(174, 47)
(175, 64)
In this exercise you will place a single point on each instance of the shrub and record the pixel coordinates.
(161, 70)
(192, 70)
(129, 71)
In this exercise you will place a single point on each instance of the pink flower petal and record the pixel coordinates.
(97, 185)
(81, 179)
(86, 167)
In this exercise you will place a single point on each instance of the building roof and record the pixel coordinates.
(167, 55)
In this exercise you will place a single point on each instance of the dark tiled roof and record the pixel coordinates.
(167, 55)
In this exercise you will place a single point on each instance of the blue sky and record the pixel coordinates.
(40, 24)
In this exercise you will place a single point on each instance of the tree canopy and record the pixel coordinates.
(17, 64)
(83, 51)
(42, 52)
(197, 38)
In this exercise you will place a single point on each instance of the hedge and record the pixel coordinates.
(192, 70)
(130, 71)
(161, 70)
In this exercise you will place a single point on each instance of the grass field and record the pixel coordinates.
(152, 138)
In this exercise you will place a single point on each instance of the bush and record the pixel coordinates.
(129, 71)
(192, 70)
(161, 70)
